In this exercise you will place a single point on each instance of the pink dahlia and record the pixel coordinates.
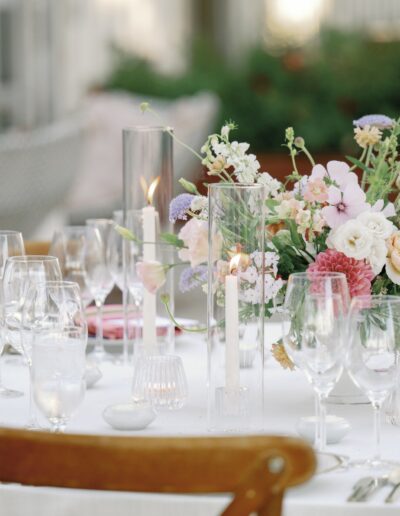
(359, 274)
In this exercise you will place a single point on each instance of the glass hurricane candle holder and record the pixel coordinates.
(147, 193)
(236, 284)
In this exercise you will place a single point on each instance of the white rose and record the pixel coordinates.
(377, 257)
(352, 239)
(377, 223)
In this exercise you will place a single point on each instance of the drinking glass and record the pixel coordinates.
(49, 305)
(58, 372)
(68, 245)
(313, 334)
(374, 332)
(11, 244)
(20, 274)
(98, 276)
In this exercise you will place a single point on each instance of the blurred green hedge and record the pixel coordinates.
(319, 90)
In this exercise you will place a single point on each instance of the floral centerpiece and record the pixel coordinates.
(341, 216)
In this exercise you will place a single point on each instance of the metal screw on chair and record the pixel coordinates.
(275, 464)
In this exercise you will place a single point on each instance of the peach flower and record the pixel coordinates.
(152, 275)
(195, 238)
(393, 257)
(316, 191)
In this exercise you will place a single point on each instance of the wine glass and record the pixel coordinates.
(313, 334)
(68, 245)
(11, 244)
(98, 277)
(49, 305)
(374, 333)
(58, 372)
(20, 273)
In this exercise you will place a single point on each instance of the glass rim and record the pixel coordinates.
(147, 129)
(305, 274)
(237, 186)
(55, 283)
(32, 258)
(5, 232)
(100, 219)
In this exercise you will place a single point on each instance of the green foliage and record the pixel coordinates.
(318, 90)
(172, 239)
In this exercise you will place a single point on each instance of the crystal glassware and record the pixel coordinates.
(237, 293)
(98, 276)
(161, 380)
(58, 373)
(11, 244)
(371, 359)
(50, 305)
(68, 245)
(313, 322)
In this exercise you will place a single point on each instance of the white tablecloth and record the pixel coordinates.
(288, 397)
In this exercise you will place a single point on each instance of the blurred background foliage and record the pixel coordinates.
(318, 89)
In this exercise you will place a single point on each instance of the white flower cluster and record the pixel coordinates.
(364, 238)
(235, 154)
(272, 185)
(199, 206)
(252, 277)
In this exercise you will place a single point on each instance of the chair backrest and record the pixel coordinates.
(256, 469)
(33, 247)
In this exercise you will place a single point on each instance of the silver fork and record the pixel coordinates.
(360, 487)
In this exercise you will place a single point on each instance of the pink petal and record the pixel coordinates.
(353, 210)
(339, 171)
(318, 172)
(353, 194)
(334, 218)
(334, 195)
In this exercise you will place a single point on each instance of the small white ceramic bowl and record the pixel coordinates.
(92, 375)
(336, 428)
(129, 416)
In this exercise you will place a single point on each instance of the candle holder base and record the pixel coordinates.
(231, 402)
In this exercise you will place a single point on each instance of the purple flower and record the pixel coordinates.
(192, 277)
(179, 206)
(379, 121)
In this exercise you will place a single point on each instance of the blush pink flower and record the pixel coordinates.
(344, 205)
(316, 191)
(358, 273)
(152, 275)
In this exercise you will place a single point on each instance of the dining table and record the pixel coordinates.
(288, 397)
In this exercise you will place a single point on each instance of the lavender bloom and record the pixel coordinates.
(379, 121)
(192, 277)
(179, 206)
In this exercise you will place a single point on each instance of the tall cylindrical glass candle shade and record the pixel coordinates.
(147, 191)
(236, 307)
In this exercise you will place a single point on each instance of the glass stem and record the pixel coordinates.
(125, 299)
(317, 436)
(1, 376)
(377, 431)
(99, 347)
(32, 423)
(322, 422)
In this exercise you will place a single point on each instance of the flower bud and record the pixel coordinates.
(299, 141)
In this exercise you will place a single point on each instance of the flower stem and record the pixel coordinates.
(165, 300)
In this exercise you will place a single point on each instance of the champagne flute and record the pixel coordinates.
(58, 372)
(313, 334)
(49, 305)
(374, 333)
(11, 244)
(98, 277)
(20, 273)
(68, 245)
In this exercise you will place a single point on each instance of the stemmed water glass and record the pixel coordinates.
(374, 337)
(20, 273)
(313, 334)
(58, 372)
(11, 244)
(98, 277)
(48, 306)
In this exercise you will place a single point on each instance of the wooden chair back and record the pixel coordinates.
(40, 248)
(256, 469)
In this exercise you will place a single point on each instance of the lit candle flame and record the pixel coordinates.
(234, 263)
(149, 191)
